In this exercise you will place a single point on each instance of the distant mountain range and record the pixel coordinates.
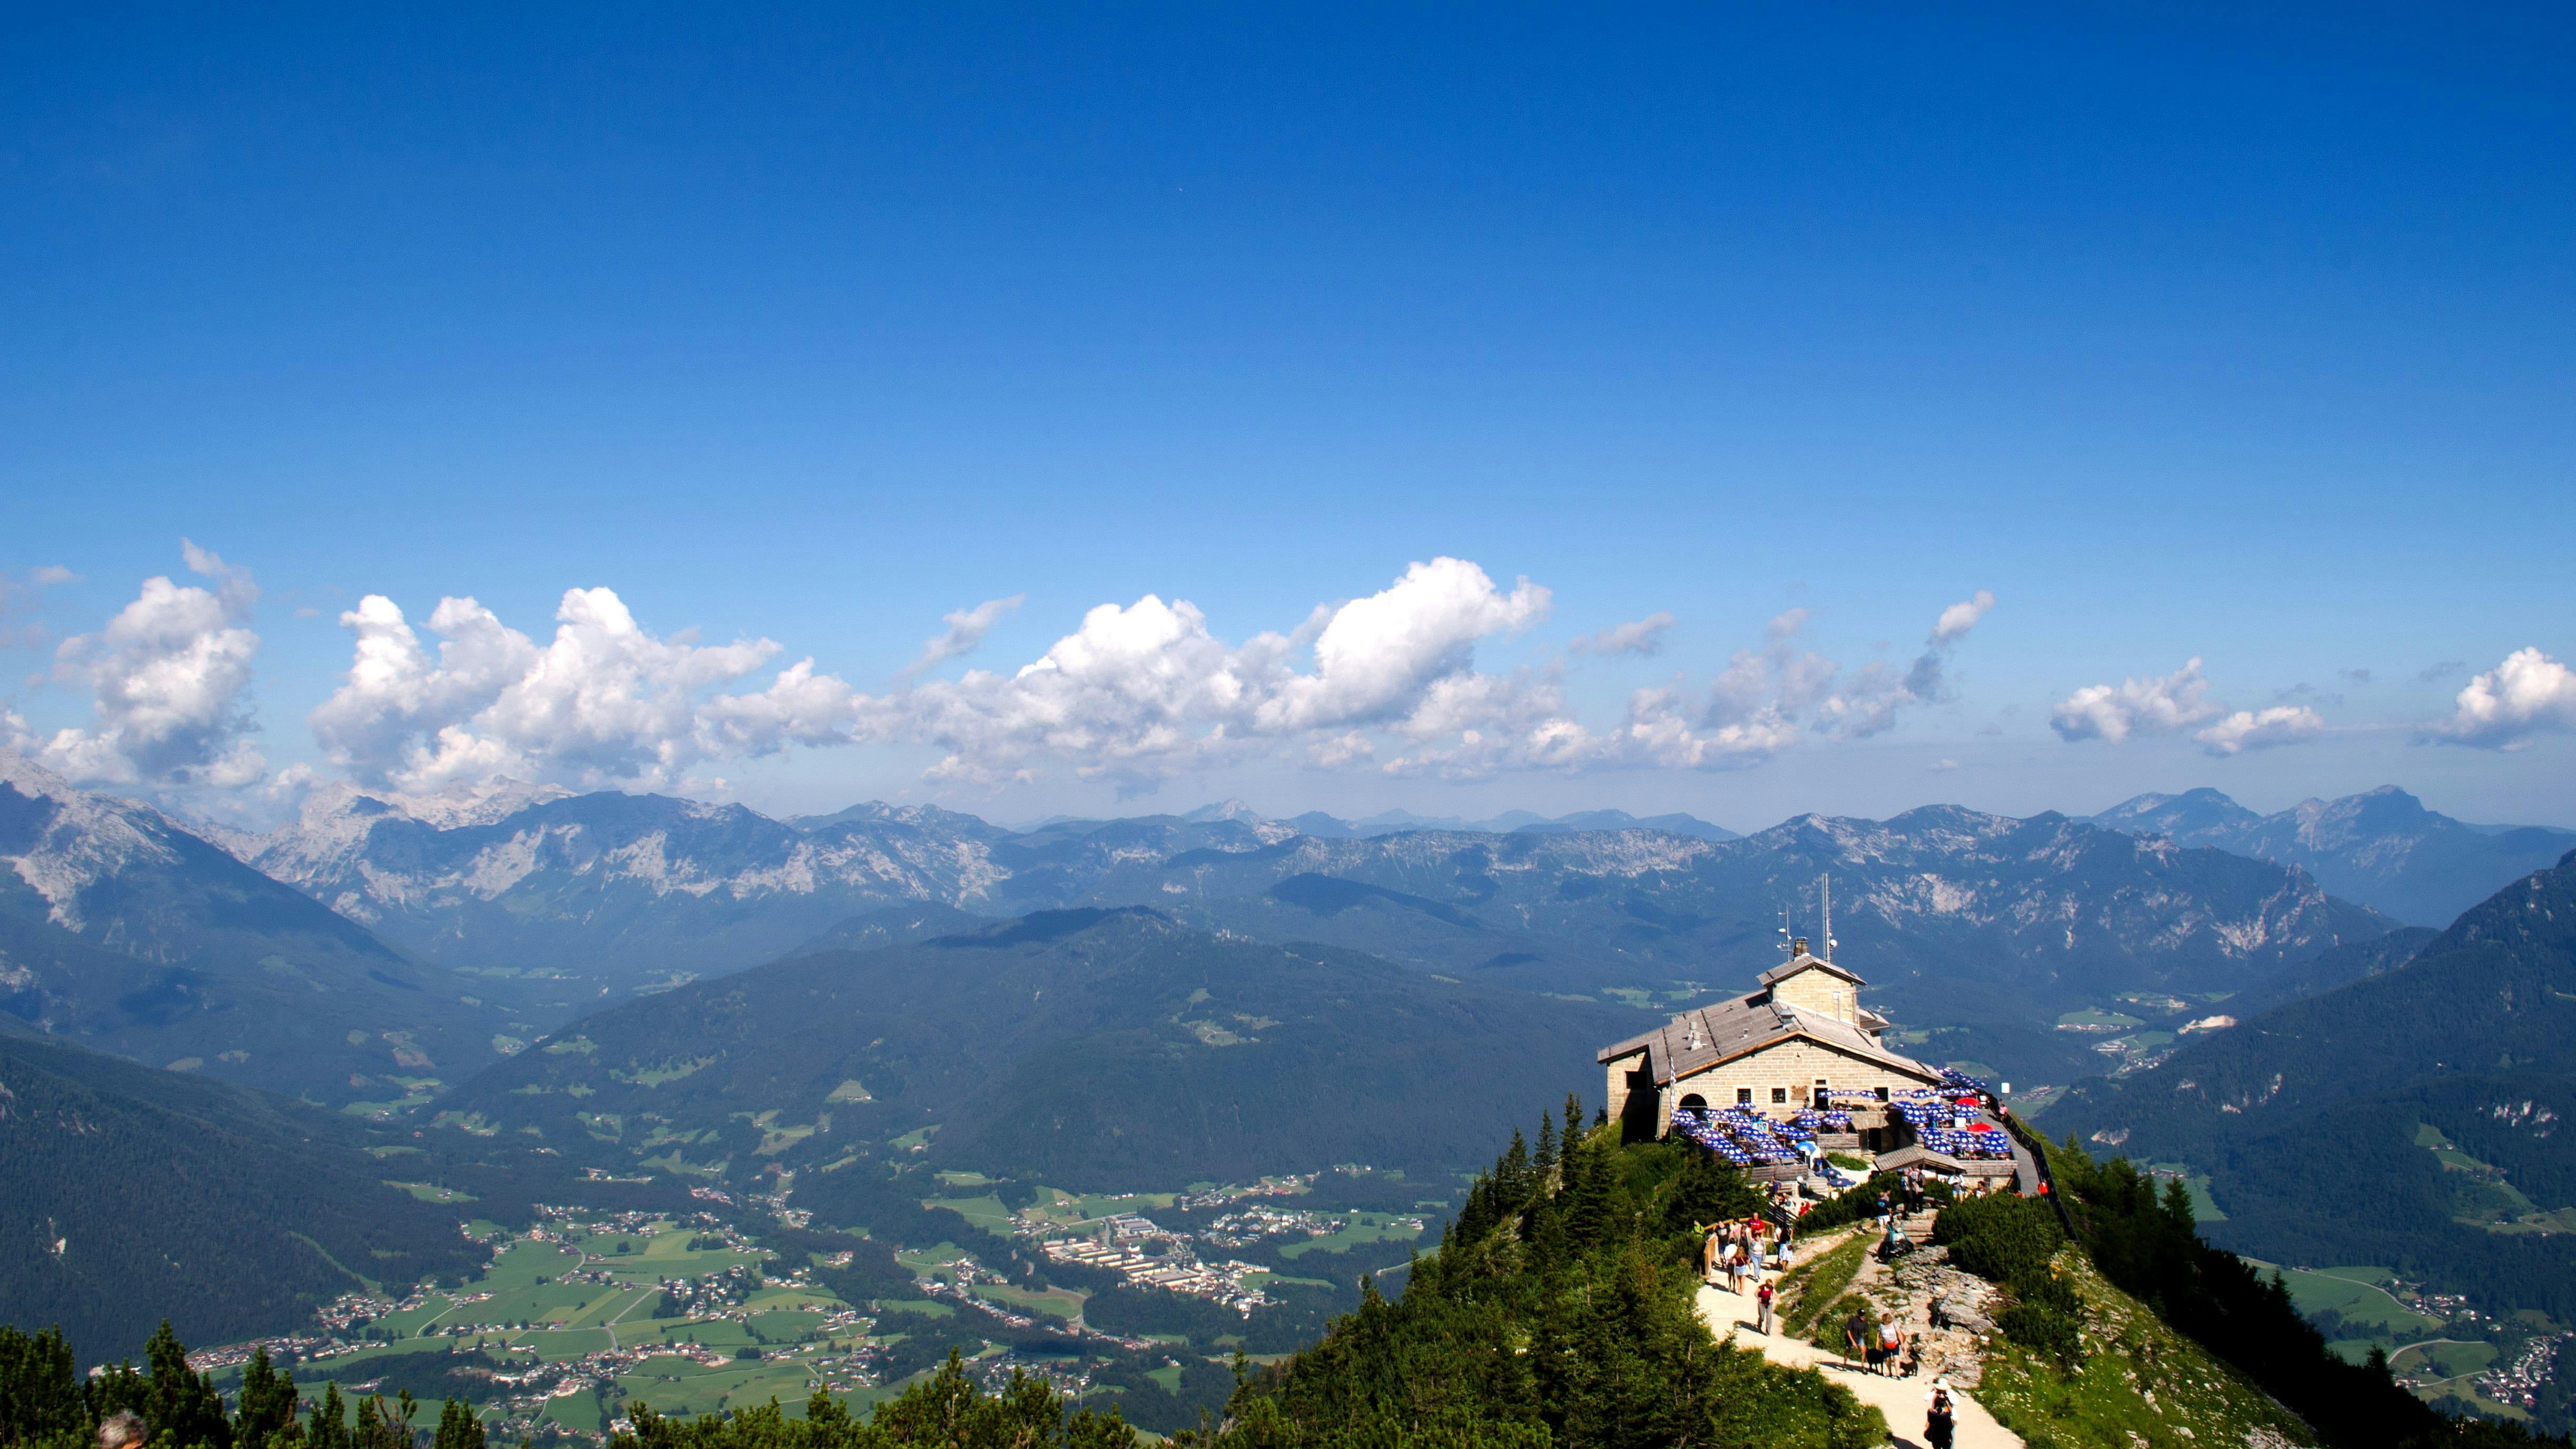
(530, 905)
(122, 931)
(1088, 1049)
(1390, 822)
(2381, 847)
(2415, 1118)
(1977, 928)
(512, 908)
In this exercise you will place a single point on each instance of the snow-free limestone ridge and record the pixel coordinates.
(122, 931)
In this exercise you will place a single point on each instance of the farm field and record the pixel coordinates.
(1362, 1228)
(572, 1321)
(2359, 1294)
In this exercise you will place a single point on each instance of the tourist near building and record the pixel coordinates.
(1803, 1040)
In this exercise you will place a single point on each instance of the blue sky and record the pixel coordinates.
(2185, 335)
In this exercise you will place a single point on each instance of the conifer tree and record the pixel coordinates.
(180, 1403)
(266, 1406)
(327, 1427)
(458, 1428)
(40, 1394)
(1511, 1175)
(1545, 1159)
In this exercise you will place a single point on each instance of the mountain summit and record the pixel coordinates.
(2380, 847)
(122, 931)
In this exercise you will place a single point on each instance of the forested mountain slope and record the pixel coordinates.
(122, 931)
(2335, 966)
(2381, 847)
(2312, 1119)
(1081, 1049)
(133, 1193)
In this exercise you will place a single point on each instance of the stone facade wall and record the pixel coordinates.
(1819, 992)
(1791, 1068)
(1615, 1090)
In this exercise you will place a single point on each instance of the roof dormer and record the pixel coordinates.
(1810, 983)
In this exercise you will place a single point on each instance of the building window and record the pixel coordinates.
(1882, 1094)
(1780, 1096)
(1744, 1096)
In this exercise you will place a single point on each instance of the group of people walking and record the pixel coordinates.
(1879, 1342)
(1742, 1251)
(1735, 1256)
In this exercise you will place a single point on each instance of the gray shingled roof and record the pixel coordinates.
(1804, 962)
(1699, 1039)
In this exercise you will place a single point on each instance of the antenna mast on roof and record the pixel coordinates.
(1827, 955)
(1788, 943)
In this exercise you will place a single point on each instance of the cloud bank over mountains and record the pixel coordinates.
(2169, 705)
(2505, 708)
(169, 677)
(2509, 705)
(1136, 694)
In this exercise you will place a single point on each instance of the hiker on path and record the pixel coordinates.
(1762, 1310)
(1891, 1344)
(1941, 1420)
(1856, 1334)
(1894, 1243)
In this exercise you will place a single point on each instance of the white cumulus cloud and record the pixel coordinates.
(1135, 694)
(1766, 700)
(1145, 691)
(2151, 706)
(2507, 706)
(1959, 618)
(604, 702)
(169, 677)
(965, 633)
(1638, 636)
(2282, 724)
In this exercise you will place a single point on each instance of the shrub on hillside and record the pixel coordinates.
(2011, 1240)
(1999, 1238)
(2045, 1316)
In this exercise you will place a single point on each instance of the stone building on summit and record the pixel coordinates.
(1802, 1036)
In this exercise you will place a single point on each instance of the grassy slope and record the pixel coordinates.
(2141, 1384)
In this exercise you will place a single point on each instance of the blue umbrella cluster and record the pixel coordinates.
(1740, 1137)
(1810, 1121)
(1937, 1120)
